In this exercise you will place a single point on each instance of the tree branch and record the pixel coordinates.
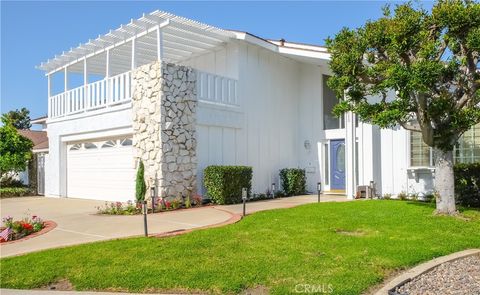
(415, 128)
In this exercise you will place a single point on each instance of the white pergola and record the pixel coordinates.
(156, 36)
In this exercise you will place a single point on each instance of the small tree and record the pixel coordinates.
(424, 69)
(140, 186)
(20, 118)
(15, 150)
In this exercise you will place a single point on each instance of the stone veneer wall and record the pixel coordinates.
(164, 106)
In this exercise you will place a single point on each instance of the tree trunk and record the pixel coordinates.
(444, 182)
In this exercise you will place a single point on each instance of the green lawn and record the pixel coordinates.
(350, 246)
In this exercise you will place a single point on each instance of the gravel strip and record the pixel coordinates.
(458, 277)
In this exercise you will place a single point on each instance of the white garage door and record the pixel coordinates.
(101, 170)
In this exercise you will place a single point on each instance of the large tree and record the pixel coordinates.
(19, 118)
(15, 150)
(418, 69)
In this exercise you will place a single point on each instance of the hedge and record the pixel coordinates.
(293, 181)
(224, 183)
(467, 184)
(10, 192)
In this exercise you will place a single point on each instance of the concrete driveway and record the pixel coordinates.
(77, 222)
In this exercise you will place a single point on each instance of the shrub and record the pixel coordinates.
(10, 181)
(10, 192)
(467, 184)
(293, 181)
(140, 186)
(224, 183)
(387, 196)
(402, 196)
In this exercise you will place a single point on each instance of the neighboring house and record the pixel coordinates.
(181, 95)
(34, 175)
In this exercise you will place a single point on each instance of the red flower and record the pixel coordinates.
(27, 226)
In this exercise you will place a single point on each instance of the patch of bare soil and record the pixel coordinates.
(61, 285)
(258, 290)
(353, 233)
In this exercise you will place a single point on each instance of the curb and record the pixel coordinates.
(408, 275)
(233, 219)
(49, 225)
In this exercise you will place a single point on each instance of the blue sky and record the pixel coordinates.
(32, 32)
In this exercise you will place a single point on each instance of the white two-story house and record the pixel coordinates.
(180, 95)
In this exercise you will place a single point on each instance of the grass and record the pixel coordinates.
(347, 246)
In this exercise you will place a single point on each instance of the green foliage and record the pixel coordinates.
(291, 245)
(11, 181)
(402, 196)
(20, 118)
(293, 181)
(467, 184)
(422, 66)
(15, 150)
(140, 186)
(119, 208)
(11, 192)
(224, 183)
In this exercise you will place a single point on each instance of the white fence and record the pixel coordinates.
(99, 94)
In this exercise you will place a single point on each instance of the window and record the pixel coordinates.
(467, 150)
(89, 146)
(109, 144)
(126, 142)
(330, 121)
(75, 147)
(420, 153)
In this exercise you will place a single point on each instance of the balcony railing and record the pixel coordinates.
(217, 89)
(100, 94)
(117, 90)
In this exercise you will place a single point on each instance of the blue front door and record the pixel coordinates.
(337, 164)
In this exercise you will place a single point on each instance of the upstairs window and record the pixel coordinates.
(330, 121)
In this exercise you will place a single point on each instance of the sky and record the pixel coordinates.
(32, 32)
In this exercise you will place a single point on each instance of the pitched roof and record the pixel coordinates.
(39, 138)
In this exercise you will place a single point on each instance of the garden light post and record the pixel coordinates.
(372, 189)
(319, 189)
(273, 190)
(145, 217)
(244, 198)
(152, 195)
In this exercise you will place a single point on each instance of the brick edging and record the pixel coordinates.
(411, 273)
(49, 225)
(234, 218)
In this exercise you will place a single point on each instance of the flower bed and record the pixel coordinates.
(161, 205)
(18, 229)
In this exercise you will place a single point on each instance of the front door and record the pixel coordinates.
(337, 164)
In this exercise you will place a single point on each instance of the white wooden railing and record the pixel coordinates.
(217, 89)
(99, 94)
(117, 90)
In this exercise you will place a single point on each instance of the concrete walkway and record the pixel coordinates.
(77, 222)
